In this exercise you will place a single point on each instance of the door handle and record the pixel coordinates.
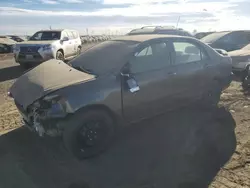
(125, 75)
(172, 73)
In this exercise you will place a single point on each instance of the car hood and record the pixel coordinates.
(44, 79)
(7, 41)
(43, 42)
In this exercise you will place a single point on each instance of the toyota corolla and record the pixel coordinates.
(115, 83)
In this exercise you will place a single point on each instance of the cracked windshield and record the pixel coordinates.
(124, 94)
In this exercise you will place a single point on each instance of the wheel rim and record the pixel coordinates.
(90, 135)
(60, 56)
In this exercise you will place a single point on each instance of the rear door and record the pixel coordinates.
(152, 70)
(189, 64)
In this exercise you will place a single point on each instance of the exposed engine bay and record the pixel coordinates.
(45, 116)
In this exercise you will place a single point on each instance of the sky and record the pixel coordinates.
(119, 16)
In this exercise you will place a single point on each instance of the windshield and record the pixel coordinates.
(213, 37)
(46, 35)
(104, 57)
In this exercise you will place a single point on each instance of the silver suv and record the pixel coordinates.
(48, 44)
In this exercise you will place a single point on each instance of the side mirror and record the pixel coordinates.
(65, 39)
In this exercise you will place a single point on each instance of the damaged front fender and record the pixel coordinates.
(44, 115)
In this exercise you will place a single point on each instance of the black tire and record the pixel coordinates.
(78, 142)
(60, 56)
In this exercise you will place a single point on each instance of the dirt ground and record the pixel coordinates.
(187, 148)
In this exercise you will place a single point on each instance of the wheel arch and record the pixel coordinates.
(60, 50)
(100, 107)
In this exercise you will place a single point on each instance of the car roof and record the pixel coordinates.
(57, 30)
(155, 29)
(52, 30)
(143, 38)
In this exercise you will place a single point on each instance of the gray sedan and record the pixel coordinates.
(116, 83)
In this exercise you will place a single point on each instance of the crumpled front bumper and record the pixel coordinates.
(51, 127)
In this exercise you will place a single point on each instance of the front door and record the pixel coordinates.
(152, 72)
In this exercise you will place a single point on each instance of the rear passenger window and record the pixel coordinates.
(187, 53)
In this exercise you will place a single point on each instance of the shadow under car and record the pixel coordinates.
(184, 148)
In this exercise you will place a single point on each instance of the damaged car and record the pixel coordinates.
(116, 83)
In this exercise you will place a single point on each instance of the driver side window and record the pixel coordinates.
(152, 57)
(38, 36)
(64, 34)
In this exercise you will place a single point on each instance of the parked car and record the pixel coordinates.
(228, 40)
(6, 45)
(160, 30)
(200, 35)
(241, 61)
(16, 38)
(48, 44)
(118, 82)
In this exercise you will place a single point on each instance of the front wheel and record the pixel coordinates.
(89, 133)
(78, 51)
(59, 55)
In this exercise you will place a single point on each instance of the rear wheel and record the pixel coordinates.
(59, 55)
(88, 134)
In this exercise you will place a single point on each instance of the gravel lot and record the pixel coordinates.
(186, 148)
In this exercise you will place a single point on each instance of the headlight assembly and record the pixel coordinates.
(54, 104)
(52, 98)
